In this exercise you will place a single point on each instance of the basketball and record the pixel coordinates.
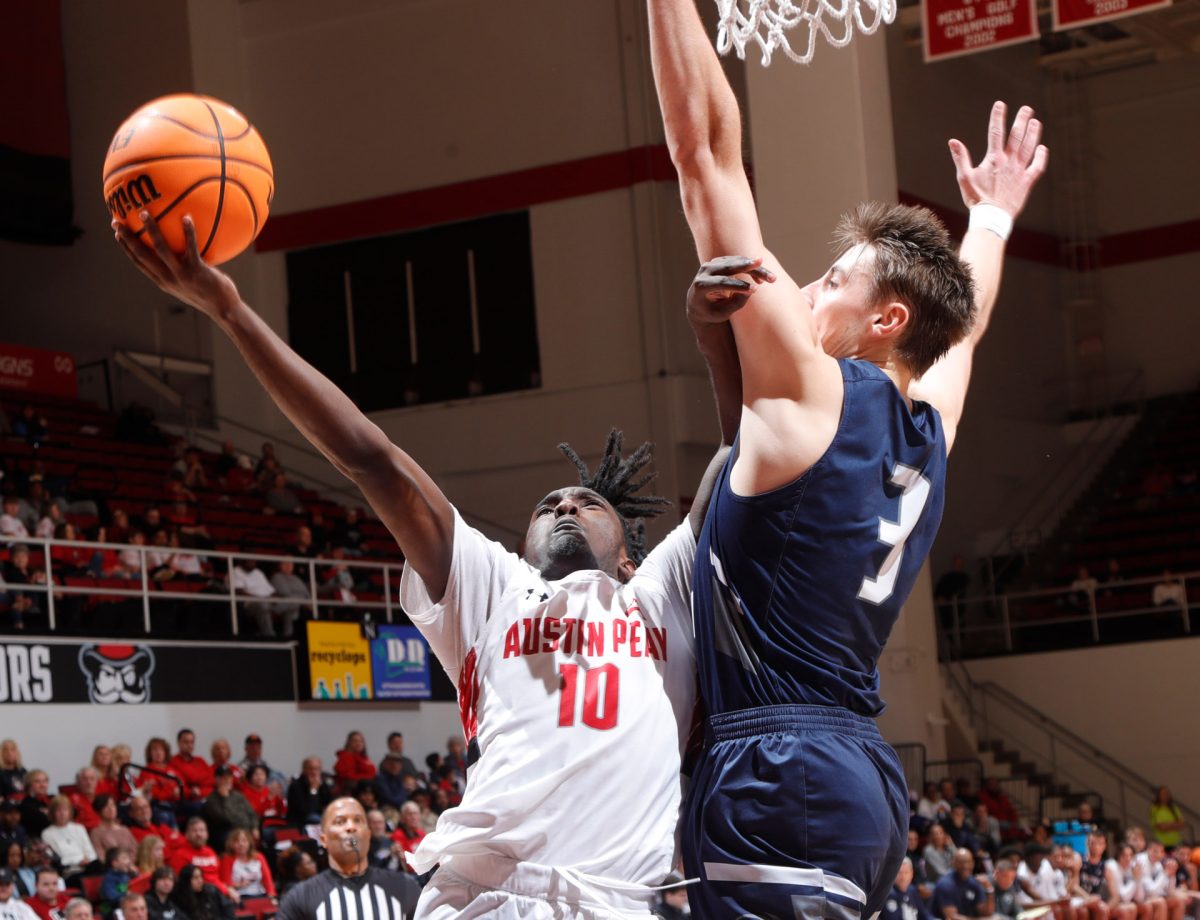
(192, 155)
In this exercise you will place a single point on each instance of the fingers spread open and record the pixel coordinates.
(139, 254)
(961, 156)
(996, 127)
(154, 234)
(189, 234)
(1029, 144)
(1016, 137)
(1041, 157)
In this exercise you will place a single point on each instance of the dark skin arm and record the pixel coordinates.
(403, 495)
(714, 296)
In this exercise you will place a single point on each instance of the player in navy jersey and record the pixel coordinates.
(851, 389)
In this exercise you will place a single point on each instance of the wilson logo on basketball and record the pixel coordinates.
(134, 194)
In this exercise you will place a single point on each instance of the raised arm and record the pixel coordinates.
(402, 494)
(995, 192)
(785, 374)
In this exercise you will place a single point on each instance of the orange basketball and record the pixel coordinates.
(191, 155)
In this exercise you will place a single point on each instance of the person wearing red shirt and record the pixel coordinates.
(197, 775)
(352, 763)
(47, 900)
(159, 782)
(195, 851)
(245, 869)
(83, 796)
(221, 757)
(141, 825)
(411, 832)
(265, 800)
(1000, 806)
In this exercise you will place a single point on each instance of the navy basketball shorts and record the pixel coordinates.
(794, 812)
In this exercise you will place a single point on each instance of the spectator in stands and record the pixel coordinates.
(12, 770)
(423, 799)
(353, 763)
(241, 477)
(337, 581)
(78, 909)
(395, 745)
(1007, 893)
(102, 763)
(1000, 806)
(35, 806)
(987, 829)
(39, 856)
(348, 534)
(52, 517)
(195, 853)
(302, 543)
(244, 869)
(199, 898)
(264, 799)
(280, 499)
(939, 854)
(959, 894)
(673, 899)
(109, 832)
(456, 756)
(410, 833)
(248, 580)
(308, 795)
(1082, 590)
(382, 851)
(1158, 880)
(1085, 815)
(82, 798)
(141, 823)
(69, 840)
(11, 524)
(1084, 903)
(12, 858)
(268, 461)
(191, 469)
(161, 782)
(23, 605)
(129, 561)
(159, 903)
(1170, 591)
(195, 772)
(959, 831)
(119, 863)
(151, 521)
(295, 866)
(226, 809)
(390, 782)
(1043, 885)
(11, 906)
(118, 526)
(226, 461)
(1125, 875)
(222, 756)
(916, 856)
(253, 749)
(288, 584)
(132, 906)
(11, 831)
(176, 491)
(151, 855)
(31, 426)
(904, 902)
(49, 897)
(965, 794)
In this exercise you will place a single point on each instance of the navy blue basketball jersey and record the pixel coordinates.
(797, 590)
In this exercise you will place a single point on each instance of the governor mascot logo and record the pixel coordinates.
(117, 673)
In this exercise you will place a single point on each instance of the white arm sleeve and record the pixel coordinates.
(479, 570)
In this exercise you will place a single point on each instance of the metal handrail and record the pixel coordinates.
(391, 579)
(125, 779)
(1125, 777)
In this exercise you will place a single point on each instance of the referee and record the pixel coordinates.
(350, 889)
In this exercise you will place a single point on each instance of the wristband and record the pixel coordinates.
(991, 217)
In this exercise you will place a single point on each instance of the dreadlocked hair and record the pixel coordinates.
(614, 482)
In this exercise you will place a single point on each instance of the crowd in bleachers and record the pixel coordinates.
(200, 839)
(971, 854)
(75, 473)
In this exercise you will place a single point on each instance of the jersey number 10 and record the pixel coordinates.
(601, 690)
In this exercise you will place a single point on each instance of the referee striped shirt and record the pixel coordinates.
(377, 894)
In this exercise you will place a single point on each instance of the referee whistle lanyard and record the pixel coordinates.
(594, 886)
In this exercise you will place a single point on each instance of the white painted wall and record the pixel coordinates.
(59, 737)
(1131, 701)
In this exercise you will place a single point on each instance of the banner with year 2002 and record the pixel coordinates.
(951, 28)
(1071, 14)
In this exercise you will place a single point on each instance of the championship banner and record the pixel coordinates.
(36, 370)
(113, 674)
(952, 28)
(400, 664)
(339, 661)
(1070, 14)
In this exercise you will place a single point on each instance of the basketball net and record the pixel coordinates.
(768, 22)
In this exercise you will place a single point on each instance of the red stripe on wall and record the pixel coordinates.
(464, 200)
(622, 169)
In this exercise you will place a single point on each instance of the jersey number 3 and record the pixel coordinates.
(915, 492)
(601, 690)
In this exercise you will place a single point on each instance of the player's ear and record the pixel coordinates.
(891, 319)
(626, 569)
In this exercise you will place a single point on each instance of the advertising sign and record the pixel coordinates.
(36, 370)
(1070, 14)
(339, 661)
(400, 664)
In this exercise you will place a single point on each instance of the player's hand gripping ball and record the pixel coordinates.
(193, 155)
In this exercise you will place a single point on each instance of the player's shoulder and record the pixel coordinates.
(391, 881)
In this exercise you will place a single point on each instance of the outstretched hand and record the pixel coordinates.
(1011, 166)
(185, 276)
(715, 294)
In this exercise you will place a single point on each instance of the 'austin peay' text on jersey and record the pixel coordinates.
(797, 590)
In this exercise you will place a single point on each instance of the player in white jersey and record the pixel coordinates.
(574, 791)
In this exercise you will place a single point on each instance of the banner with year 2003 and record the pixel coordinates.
(1071, 14)
(951, 28)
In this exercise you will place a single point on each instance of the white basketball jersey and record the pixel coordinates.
(579, 694)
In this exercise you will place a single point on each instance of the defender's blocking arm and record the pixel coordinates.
(402, 494)
(995, 192)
